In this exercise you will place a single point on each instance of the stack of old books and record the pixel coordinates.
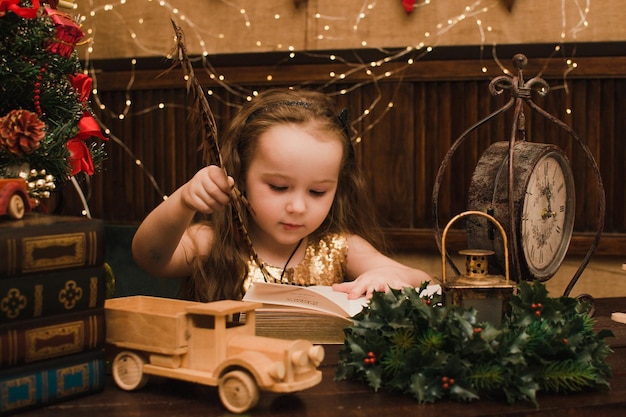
(52, 291)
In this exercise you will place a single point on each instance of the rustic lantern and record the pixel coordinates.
(488, 294)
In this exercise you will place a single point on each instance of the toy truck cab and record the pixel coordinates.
(206, 343)
(14, 198)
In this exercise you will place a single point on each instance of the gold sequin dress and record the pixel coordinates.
(324, 263)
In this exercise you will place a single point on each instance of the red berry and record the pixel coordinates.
(445, 386)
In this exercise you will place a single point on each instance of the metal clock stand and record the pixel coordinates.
(527, 187)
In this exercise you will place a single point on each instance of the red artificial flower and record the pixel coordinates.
(82, 84)
(88, 127)
(14, 6)
(80, 157)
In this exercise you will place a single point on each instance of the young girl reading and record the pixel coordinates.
(310, 219)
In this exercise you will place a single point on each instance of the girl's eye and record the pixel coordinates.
(277, 187)
(317, 193)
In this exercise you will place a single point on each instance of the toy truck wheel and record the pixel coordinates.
(16, 207)
(128, 371)
(238, 391)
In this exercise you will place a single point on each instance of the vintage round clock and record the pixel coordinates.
(543, 205)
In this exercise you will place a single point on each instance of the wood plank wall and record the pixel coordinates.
(434, 102)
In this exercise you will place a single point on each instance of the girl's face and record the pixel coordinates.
(291, 183)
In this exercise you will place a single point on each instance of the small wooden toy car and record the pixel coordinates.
(206, 343)
(14, 198)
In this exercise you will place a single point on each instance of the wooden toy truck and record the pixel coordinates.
(205, 343)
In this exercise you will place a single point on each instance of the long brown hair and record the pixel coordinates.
(220, 274)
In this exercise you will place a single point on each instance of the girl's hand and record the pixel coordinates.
(208, 191)
(373, 280)
(372, 271)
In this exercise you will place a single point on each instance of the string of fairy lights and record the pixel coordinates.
(345, 28)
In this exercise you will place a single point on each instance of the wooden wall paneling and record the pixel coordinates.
(117, 196)
(608, 148)
(401, 154)
(592, 134)
(492, 131)
(190, 143)
(170, 141)
(460, 118)
(470, 112)
(457, 109)
(145, 136)
(586, 212)
(387, 156)
(187, 147)
(440, 134)
(166, 140)
(145, 132)
(471, 95)
(618, 134)
(422, 175)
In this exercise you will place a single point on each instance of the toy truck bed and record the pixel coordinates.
(149, 324)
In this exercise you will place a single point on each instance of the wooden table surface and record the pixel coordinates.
(169, 398)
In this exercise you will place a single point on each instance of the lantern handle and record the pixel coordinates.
(474, 213)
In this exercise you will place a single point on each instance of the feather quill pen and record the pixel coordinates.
(210, 146)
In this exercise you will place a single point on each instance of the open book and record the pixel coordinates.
(317, 297)
(316, 313)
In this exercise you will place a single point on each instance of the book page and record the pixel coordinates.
(317, 297)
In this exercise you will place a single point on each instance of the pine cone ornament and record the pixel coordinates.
(20, 132)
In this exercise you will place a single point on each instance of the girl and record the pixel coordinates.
(310, 219)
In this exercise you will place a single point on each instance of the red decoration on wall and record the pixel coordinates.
(408, 5)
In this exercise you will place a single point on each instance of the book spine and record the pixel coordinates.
(47, 244)
(35, 340)
(52, 381)
(51, 293)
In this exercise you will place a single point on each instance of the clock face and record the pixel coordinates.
(547, 216)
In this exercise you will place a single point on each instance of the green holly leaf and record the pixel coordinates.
(462, 393)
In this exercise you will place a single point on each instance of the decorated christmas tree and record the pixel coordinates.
(46, 125)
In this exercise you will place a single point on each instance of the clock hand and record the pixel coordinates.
(547, 212)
